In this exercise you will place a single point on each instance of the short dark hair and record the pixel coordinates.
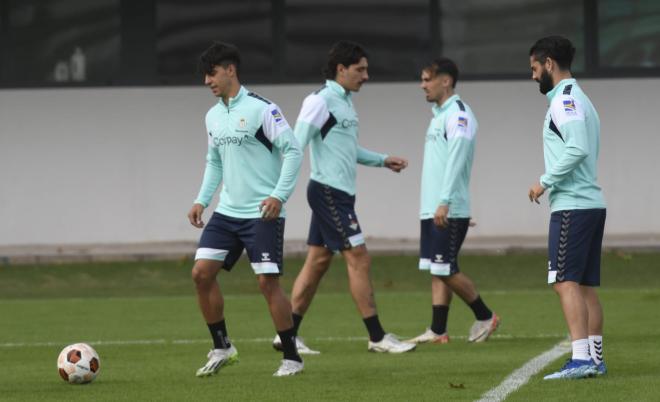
(345, 53)
(443, 65)
(219, 54)
(557, 48)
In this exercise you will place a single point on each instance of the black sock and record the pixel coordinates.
(297, 319)
(288, 339)
(439, 323)
(481, 312)
(376, 332)
(219, 333)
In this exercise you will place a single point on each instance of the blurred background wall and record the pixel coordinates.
(101, 106)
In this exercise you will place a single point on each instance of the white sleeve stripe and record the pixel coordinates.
(314, 111)
(461, 124)
(565, 108)
(274, 122)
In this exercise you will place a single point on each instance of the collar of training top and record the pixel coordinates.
(437, 109)
(559, 86)
(334, 86)
(234, 101)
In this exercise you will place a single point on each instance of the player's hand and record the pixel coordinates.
(535, 192)
(440, 217)
(195, 215)
(395, 164)
(270, 208)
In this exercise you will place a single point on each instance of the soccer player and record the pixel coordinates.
(329, 123)
(252, 151)
(571, 142)
(445, 204)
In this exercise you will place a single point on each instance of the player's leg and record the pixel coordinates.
(218, 248)
(358, 264)
(444, 265)
(280, 311)
(569, 234)
(304, 288)
(595, 327)
(209, 296)
(440, 294)
(590, 281)
(486, 321)
(264, 245)
(316, 265)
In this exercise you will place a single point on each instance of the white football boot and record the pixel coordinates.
(288, 368)
(390, 344)
(300, 345)
(218, 358)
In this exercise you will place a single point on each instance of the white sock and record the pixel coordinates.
(581, 349)
(596, 348)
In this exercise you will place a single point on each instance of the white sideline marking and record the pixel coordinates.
(520, 377)
(243, 340)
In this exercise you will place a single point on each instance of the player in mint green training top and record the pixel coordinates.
(445, 204)
(571, 143)
(329, 123)
(253, 153)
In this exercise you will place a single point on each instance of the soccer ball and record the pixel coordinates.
(78, 363)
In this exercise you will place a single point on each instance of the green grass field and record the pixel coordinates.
(143, 320)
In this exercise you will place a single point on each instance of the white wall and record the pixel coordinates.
(124, 164)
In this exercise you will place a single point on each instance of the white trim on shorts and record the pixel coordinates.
(440, 269)
(356, 240)
(424, 264)
(265, 268)
(205, 253)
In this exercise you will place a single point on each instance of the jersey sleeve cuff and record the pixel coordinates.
(202, 203)
(543, 182)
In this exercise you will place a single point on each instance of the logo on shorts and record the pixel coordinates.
(438, 258)
(265, 256)
(354, 225)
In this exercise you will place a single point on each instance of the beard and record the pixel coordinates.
(545, 83)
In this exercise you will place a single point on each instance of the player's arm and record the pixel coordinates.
(278, 132)
(569, 117)
(314, 120)
(210, 183)
(371, 158)
(460, 129)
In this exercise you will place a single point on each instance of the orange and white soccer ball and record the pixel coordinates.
(78, 363)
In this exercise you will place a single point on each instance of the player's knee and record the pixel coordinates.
(268, 284)
(320, 258)
(202, 275)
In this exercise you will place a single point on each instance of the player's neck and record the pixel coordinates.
(446, 96)
(559, 76)
(231, 92)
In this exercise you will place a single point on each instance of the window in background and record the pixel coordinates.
(494, 37)
(60, 42)
(629, 33)
(395, 34)
(186, 29)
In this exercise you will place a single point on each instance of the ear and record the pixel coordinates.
(231, 70)
(446, 81)
(341, 69)
(549, 64)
